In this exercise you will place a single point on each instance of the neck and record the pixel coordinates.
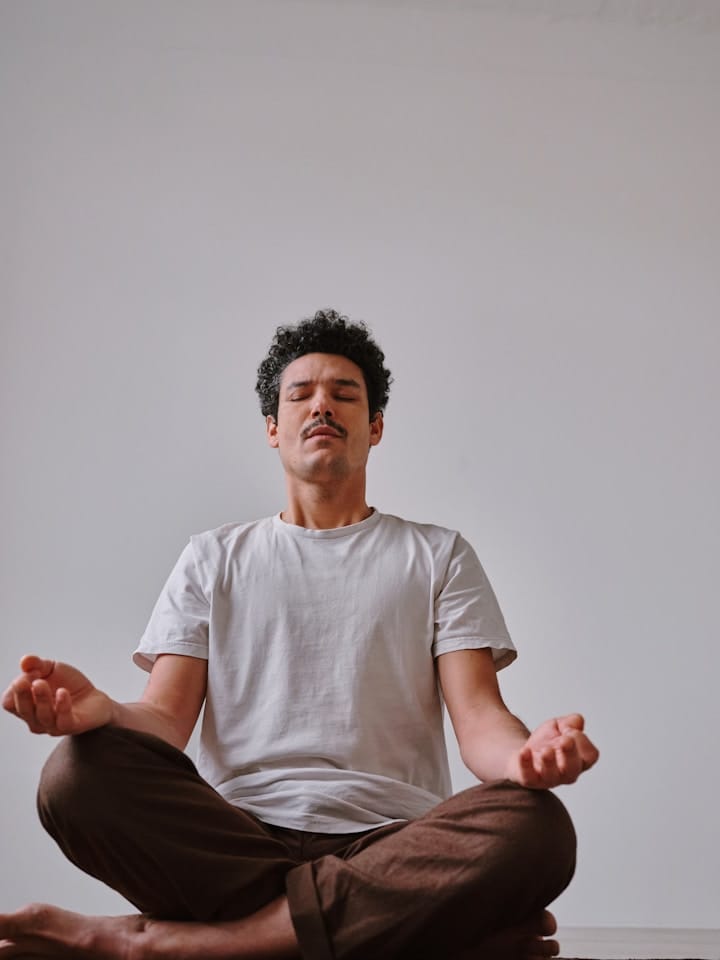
(320, 507)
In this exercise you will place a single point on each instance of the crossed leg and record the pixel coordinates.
(42, 931)
(468, 880)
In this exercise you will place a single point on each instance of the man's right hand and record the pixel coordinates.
(56, 699)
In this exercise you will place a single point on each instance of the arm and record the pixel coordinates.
(56, 699)
(171, 701)
(493, 743)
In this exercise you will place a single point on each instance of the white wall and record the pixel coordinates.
(522, 201)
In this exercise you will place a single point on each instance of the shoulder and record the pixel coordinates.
(436, 538)
(428, 531)
(211, 557)
(446, 550)
(436, 548)
(211, 549)
(228, 535)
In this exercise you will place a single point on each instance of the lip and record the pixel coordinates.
(323, 432)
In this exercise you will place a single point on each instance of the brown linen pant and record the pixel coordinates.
(133, 811)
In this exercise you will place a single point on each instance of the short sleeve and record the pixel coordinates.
(467, 614)
(180, 618)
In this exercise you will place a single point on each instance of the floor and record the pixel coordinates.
(620, 943)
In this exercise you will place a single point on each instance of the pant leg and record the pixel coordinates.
(132, 810)
(485, 859)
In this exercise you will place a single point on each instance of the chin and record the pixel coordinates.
(331, 468)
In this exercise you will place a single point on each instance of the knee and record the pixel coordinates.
(538, 817)
(533, 829)
(545, 836)
(101, 770)
(89, 773)
(548, 827)
(71, 778)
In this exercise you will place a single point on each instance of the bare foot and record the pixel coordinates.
(41, 931)
(44, 931)
(527, 941)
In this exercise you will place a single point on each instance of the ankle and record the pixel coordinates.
(138, 942)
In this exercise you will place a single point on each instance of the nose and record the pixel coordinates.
(323, 405)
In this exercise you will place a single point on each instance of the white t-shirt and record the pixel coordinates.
(323, 711)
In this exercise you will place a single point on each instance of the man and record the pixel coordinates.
(321, 642)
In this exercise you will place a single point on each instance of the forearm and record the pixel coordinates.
(489, 739)
(147, 718)
(171, 701)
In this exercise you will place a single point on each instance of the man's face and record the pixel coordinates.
(323, 430)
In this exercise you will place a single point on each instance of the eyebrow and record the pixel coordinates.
(339, 382)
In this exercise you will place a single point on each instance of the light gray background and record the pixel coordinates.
(521, 199)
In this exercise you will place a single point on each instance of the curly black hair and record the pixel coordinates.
(327, 332)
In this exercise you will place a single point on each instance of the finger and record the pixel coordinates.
(562, 762)
(571, 722)
(548, 774)
(63, 711)
(35, 667)
(589, 753)
(23, 699)
(545, 770)
(25, 706)
(547, 763)
(528, 770)
(44, 705)
(547, 730)
(8, 699)
(568, 759)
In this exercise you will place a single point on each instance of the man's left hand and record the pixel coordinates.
(554, 754)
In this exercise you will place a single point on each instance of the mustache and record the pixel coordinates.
(323, 422)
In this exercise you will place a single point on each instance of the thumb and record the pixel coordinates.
(573, 721)
(35, 667)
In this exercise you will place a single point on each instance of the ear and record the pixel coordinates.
(271, 431)
(376, 429)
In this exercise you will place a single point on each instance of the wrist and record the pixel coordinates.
(512, 769)
(114, 713)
